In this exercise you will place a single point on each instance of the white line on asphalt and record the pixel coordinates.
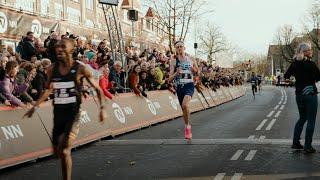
(282, 107)
(261, 124)
(219, 176)
(280, 102)
(236, 155)
(270, 124)
(251, 137)
(285, 102)
(262, 137)
(276, 107)
(237, 176)
(250, 155)
(168, 142)
(270, 114)
(278, 113)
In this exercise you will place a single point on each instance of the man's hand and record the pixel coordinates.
(103, 115)
(6, 102)
(29, 113)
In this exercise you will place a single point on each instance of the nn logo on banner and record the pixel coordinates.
(3, 23)
(36, 28)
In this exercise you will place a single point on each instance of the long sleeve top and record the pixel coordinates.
(133, 82)
(9, 87)
(105, 85)
(306, 74)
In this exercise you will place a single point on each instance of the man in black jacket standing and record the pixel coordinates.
(29, 49)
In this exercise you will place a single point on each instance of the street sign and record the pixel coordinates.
(110, 2)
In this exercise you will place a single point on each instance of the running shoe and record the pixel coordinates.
(297, 146)
(309, 150)
(187, 132)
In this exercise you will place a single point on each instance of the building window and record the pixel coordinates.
(58, 8)
(26, 5)
(3, 1)
(73, 15)
(44, 7)
(89, 4)
(89, 23)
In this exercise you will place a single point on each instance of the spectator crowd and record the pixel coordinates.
(23, 69)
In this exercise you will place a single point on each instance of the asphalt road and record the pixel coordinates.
(243, 139)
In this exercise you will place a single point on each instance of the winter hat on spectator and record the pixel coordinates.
(90, 55)
(94, 43)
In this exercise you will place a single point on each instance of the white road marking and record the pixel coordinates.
(276, 107)
(236, 155)
(278, 113)
(219, 176)
(285, 102)
(282, 107)
(251, 137)
(280, 102)
(237, 176)
(261, 124)
(270, 124)
(262, 137)
(198, 141)
(270, 114)
(250, 155)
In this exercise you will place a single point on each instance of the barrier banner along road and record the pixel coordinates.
(27, 139)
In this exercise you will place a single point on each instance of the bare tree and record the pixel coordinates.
(311, 23)
(212, 41)
(176, 15)
(261, 64)
(287, 41)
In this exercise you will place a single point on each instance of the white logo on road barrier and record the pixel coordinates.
(151, 107)
(119, 113)
(36, 28)
(173, 103)
(84, 117)
(3, 22)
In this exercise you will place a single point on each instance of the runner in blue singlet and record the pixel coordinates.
(182, 70)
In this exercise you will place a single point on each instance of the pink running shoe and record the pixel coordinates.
(187, 133)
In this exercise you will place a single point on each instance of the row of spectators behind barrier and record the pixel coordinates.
(23, 71)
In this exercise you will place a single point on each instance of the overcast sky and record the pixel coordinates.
(251, 24)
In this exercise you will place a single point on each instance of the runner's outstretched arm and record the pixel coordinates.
(86, 73)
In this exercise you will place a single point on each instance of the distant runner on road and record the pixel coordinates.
(182, 70)
(254, 83)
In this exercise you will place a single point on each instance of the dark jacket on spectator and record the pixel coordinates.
(114, 76)
(2, 76)
(152, 82)
(51, 50)
(2, 98)
(9, 87)
(3, 73)
(77, 50)
(39, 83)
(143, 83)
(29, 49)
